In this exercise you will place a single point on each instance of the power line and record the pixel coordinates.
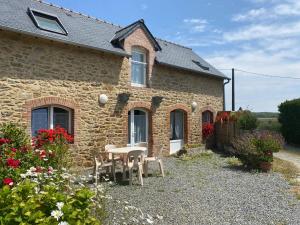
(265, 75)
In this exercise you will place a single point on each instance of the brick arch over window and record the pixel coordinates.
(208, 108)
(146, 106)
(39, 102)
(187, 120)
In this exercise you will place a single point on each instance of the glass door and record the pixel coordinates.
(137, 127)
(176, 131)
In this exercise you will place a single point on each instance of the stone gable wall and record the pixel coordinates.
(34, 70)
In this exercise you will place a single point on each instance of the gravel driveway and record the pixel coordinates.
(206, 190)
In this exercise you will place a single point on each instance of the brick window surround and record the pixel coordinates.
(208, 108)
(139, 105)
(45, 101)
(187, 121)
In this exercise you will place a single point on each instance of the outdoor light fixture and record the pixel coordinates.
(194, 106)
(103, 99)
(123, 97)
(156, 100)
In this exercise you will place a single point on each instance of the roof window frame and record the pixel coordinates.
(46, 15)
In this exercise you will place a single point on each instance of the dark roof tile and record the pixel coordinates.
(93, 33)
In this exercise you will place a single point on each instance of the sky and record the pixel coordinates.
(261, 36)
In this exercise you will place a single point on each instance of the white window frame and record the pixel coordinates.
(136, 50)
(51, 115)
(132, 143)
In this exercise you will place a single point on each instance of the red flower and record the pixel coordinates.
(42, 154)
(207, 130)
(8, 181)
(4, 141)
(13, 163)
(13, 149)
(38, 169)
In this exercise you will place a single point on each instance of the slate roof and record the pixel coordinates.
(92, 33)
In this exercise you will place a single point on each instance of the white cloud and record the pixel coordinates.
(258, 31)
(255, 92)
(196, 25)
(286, 8)
(251, 14)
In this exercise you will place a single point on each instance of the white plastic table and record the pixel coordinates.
(125, 151)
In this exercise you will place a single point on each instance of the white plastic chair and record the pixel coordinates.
(143, 144)
(134, 160)
(110, 155)
(156, 158)
(99, 164)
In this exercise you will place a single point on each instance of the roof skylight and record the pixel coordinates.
(47, 22)
(200, 65)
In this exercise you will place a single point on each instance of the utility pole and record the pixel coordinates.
(233, 91)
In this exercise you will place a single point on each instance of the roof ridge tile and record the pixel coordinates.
(79, 13)
(173, 43)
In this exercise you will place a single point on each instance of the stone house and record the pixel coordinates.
(103, 83)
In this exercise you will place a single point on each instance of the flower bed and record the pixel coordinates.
(35, 187)
(256, 149)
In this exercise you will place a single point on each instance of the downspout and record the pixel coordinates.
(226, 82)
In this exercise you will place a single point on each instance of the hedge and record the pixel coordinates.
(289, 118)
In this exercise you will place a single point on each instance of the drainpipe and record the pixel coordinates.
(226, 82)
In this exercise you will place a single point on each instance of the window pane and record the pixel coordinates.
(61, 118)
(48, 23)
(39, 120)
(207, 117)
(139, 57)
(139, 126)
(176, 125)
(137, 74)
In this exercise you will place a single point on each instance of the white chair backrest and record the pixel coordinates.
(99, 159)
(108, 147)
(135, 156)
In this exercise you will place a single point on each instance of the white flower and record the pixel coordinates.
(63, 223)
(159, 217)
(23, 175)
(149, 221)
(57, 214)
(59, 205)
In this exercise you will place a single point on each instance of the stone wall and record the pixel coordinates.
(35, 71)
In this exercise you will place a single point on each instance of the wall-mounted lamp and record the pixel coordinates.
(194, 106)
(156, 100)
(123, 97)
(103, 99)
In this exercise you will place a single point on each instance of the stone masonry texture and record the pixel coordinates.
(36, 72)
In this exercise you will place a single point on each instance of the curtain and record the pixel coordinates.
(137, 75)
(61, 118)
(140, 128)
(39, 120)
(179, 124)
(176, 125)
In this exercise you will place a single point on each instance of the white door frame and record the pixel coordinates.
(131, 114)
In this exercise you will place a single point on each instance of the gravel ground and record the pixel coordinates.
(206, 190)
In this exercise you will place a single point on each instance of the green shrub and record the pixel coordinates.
(256, 147)
(270, 124)
(28, 203)
(289, 118)
(247, 120)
